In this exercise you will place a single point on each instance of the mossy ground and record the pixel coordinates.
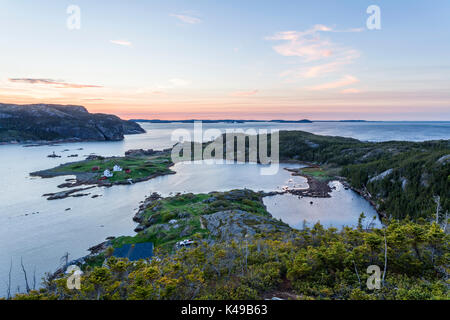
(187, 209)
(199, 204)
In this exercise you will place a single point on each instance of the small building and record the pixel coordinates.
(108, 174)
(117, 168)
(134, 252)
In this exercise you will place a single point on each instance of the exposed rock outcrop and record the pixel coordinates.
(145, 153)
(382, 175)
(237, 224)
(44, 122)
(444, 159)
(67, 193)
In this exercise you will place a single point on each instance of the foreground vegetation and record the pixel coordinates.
(314, 263)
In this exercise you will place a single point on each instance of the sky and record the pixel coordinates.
(229, 59)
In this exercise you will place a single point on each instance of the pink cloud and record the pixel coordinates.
(305, 44)
(313, 49)
(55, 83)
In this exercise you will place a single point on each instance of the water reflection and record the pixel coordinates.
(343, 208)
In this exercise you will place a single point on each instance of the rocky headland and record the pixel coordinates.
(60, 123)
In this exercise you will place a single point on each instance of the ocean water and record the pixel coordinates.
(383, 131)
(365, 131)
(40, 232)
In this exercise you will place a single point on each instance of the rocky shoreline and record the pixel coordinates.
(69, 193)
(316, 188)
(138, 217)
(89, 178)
(367, 196)
(321, 189)
(41, 143)
(81, 180)
(155, 159)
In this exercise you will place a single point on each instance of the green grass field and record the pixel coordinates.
(139, 167)
(317, 173)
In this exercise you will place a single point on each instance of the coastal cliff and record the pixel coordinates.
(44, 122)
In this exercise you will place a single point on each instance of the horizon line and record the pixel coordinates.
(280, 120)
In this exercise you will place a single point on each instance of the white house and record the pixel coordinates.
(108, 174)
(117, 168)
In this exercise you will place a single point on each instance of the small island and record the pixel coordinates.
(136, 166)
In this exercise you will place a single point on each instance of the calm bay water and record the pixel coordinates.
(342, 209)
(41, 231)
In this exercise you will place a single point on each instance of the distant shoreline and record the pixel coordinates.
(40, 143)
(281, 121)
(219, 121)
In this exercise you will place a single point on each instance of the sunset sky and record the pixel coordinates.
(230, 59)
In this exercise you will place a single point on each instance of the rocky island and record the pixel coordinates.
(46, 122)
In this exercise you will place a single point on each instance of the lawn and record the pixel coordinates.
(139, 167)
(317, 173)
